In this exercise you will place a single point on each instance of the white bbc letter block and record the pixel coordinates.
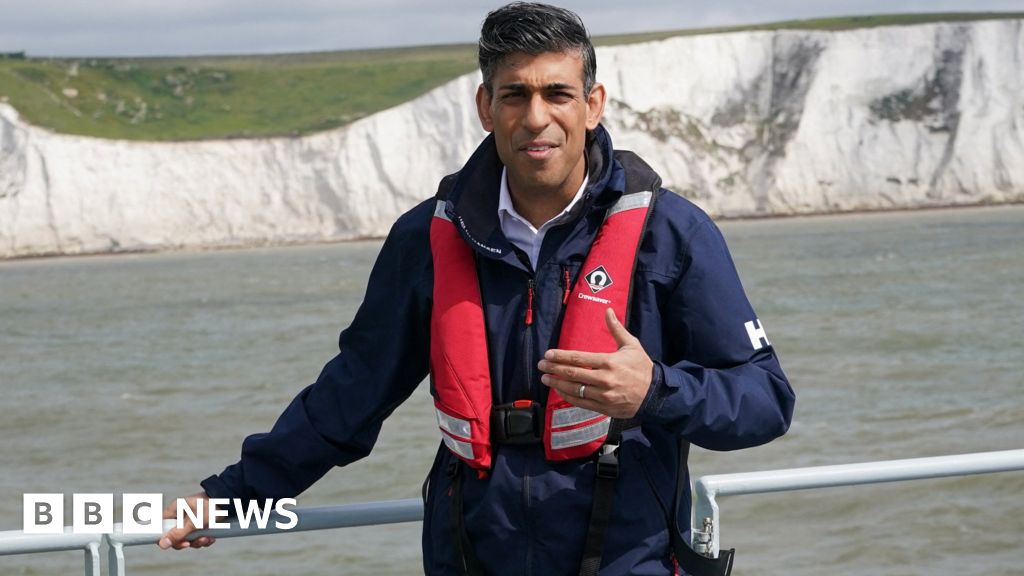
(142, 513)
(92, 513)
(43, 514)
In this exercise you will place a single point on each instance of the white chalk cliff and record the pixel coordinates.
(751, 123)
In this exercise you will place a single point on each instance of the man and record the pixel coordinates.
(564, 433)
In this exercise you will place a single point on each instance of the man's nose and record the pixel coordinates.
(538, 115)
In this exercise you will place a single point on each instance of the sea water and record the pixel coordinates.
(902, 333)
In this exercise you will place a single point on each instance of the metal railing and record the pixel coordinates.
(707, 524)
(319, 518)
(17, 542)
(706, 517)
(14, 542)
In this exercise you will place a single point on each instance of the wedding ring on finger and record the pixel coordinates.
(582, 391)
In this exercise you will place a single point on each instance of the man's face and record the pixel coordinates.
(539, 116)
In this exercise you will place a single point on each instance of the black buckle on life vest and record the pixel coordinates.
(520, 422)
(608, 461)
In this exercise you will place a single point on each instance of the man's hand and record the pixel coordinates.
(175, 537)
(616, 383)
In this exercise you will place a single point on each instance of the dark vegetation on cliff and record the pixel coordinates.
(273, 95)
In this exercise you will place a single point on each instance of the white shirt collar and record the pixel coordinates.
(506, 209)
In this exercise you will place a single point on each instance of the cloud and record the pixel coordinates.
(151, 27)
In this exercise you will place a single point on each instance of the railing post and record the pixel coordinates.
(92, 559)
(705, 524)
(115, 557)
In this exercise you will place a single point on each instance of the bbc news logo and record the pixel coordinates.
(143, 513)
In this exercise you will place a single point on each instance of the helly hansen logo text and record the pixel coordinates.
(756, 333)
(598, 279)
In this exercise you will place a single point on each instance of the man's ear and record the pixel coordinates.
(595, 105)
(483, 108)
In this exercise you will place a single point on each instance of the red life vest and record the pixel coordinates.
(458, 338)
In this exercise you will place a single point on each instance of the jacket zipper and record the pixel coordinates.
(529, 521)
(528, 340)
(565, 285)
(529, 302)
(528, 373)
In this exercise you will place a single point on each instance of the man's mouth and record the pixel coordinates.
(538, 150)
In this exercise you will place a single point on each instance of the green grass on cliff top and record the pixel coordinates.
(271, 95)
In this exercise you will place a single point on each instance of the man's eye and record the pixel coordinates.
(561, 96)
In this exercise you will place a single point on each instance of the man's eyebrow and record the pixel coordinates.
(521, 87)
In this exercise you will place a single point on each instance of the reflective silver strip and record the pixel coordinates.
(464, 449)
(453, 425)
(571, 416)
(439, 211)
(578, 436)
(631, 201)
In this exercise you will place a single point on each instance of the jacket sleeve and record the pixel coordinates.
(383, 356)
(721, 386)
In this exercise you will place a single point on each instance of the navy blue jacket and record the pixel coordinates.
(711, 385)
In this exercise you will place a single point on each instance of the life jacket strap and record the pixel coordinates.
(607, 471)
(465, 555)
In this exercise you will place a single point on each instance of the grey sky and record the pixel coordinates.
(162, 27)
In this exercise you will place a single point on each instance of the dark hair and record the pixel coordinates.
(533, 28)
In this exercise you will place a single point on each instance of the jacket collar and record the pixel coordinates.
(472, 199)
